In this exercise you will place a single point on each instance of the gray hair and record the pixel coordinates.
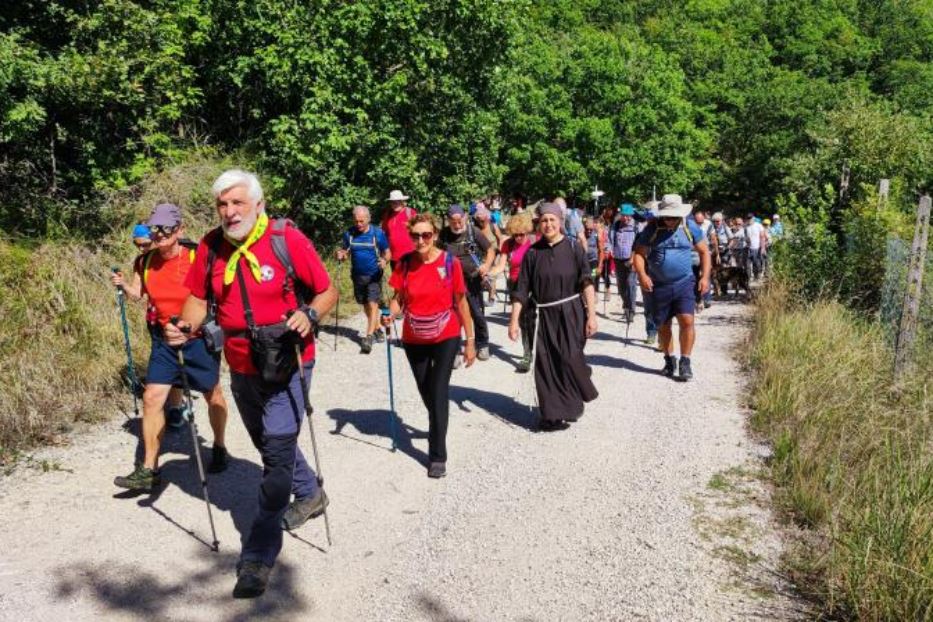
(361, 208)
(238, 177)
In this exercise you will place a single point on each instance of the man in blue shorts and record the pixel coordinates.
(663, 263)
(369, 253)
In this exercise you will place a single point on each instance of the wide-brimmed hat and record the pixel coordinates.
(396, 195)
(164, 215)
(672, 206)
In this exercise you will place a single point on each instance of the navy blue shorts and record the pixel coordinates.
(367, 288)
(203, 368)
(670, 300)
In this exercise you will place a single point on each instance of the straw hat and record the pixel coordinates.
(396, 195)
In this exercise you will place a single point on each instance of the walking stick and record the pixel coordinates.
(336, 313)
(385, 311)
(308, 412)
(194, 434)
(130, 367)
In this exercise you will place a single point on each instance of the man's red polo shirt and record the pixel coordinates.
(395, 226)
(267, 298)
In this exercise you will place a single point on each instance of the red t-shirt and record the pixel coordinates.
(515, 254)
(267, 298)
(395, 226)
(428, 291)
(163, 283)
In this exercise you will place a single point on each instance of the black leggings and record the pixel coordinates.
(432, 365)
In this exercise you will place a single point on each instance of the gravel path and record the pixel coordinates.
(613, 519)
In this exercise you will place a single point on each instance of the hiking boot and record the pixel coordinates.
(366, 344)
(251, 579)
(380, 336)
(685, 372)
(651, 339)
(670, 366)
(141, 478)
(176, 416)
(483, 353)
(300, 511)
(707, 304)
(437, 470)
(524, 365)
(218, 459)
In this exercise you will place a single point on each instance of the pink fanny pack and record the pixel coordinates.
(428, 327)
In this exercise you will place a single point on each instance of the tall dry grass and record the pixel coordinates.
(853, 457)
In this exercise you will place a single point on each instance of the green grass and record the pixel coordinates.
(853, 457)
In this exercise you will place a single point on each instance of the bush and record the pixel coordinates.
(853, 457)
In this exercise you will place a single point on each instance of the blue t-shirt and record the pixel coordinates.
(363, 256)
(669, 258)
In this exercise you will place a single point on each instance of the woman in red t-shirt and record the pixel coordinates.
(513, 250)
(430, 294)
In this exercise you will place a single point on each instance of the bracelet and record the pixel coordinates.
(471, 339)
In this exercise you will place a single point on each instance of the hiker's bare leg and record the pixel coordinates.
(666, 338)
(687, 335)
(153, 422)
(217, 413)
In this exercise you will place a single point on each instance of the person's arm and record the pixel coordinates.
(521, 293)
(489, 254)
(345, 244)
(703, 250)
(192, 316)
(500, 264)
(639, 258)
(466, 320)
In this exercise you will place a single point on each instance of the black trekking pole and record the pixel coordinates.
(337, 311)
(194, 434)
(130, 367)
(385, 311)
(309, 410)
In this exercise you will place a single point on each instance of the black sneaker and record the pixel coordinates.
(437, 470)
(380, 336)
(300, 511)
(218, 459)
(685, 372)
(141, 478)
(670, 366)
(366, 344)
(251, 579)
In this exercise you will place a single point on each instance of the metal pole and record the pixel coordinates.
(194, 437)
(308, 412)
(392, 427)
(130, 366)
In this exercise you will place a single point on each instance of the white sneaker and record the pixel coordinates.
(458, 361)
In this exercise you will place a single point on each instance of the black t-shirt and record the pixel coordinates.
(469, 247)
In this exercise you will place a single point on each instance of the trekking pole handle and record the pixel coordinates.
(116, 270)
(174, 320)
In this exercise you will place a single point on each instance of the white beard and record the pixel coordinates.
(241, 230)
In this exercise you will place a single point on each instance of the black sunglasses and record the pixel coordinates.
(424, 236)
(165, 230)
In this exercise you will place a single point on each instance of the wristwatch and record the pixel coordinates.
(312, 315)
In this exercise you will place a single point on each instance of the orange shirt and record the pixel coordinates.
(164, 283)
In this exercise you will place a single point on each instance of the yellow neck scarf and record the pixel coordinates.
(242, 250)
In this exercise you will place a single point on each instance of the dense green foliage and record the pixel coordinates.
(733, 102)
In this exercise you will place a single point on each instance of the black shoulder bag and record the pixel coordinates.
(272, 347)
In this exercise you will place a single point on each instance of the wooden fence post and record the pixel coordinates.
(913, 294)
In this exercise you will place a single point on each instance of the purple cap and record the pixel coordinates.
(455, 210)
(165, 215)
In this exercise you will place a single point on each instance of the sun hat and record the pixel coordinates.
(164, 215)
(396, 195)
(766, 221)
(777, 217)
(672, 206)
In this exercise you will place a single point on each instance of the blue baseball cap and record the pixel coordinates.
(627, 209)
(141, 231)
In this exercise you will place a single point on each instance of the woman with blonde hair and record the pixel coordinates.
(430, 293)
(513, 249)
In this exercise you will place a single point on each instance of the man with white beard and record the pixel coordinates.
(263, 282)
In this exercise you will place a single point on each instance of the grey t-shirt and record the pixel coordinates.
(469, 247)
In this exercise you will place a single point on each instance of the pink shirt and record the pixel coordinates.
(395, 226)
(515, 254)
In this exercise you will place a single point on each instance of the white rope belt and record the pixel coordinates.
(534, 342)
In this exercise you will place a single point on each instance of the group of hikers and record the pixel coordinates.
(254, 288)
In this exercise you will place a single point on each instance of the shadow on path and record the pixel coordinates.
(502, 407)
(609, 361)
(125, 588)
(375, 422)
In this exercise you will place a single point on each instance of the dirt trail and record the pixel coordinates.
(645, 509)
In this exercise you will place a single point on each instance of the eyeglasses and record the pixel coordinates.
(163, 230)
(519, 235)
(424, 236)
